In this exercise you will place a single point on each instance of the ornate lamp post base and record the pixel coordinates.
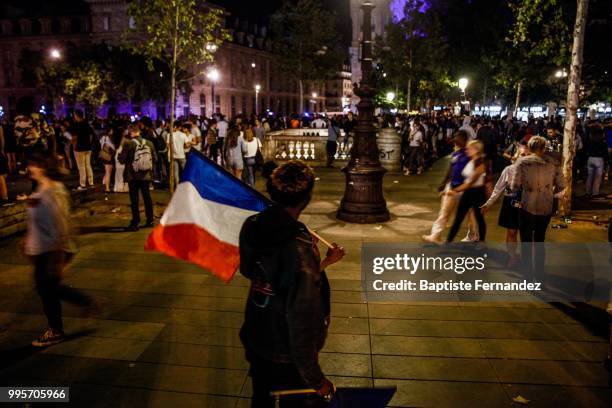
(363, 201)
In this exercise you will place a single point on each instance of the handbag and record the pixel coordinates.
(107, 153)
(259, 159)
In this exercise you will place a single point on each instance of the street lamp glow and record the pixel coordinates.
(211, 47)
(257, 87)
(253, 65)
(390, 96)
(213, 75)
(55, 53)
(561, 73)
(314, 95)
(463, 83)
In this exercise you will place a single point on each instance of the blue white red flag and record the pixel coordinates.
(203, 220)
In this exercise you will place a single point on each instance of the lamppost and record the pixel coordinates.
(213, 76)
(463, 84)
(314, 101)
(257, 89)
(363, 200)
(55, 54)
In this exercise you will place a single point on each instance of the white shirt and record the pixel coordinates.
(468, 171)
(192, 138)
(251, 147)
(502, 186)
(179, 139)
(416, 138)
(319, 124)
(222, 128)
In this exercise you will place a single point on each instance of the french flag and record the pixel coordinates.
(203, 220)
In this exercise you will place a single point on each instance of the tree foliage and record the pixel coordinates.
(306, 42)
(177, 32)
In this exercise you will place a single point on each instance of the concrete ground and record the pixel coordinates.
(169, 333)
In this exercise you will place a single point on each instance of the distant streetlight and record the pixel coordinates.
(390, 96)
(55, 54)
(562, 73)
(463, 84)
(213, 76)
(257, 89)
(212, 47)
(253, 65)
(314, 101)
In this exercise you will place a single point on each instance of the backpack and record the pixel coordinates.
(159, 142)
(143, 159)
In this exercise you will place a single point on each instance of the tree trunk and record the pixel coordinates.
(171, 181)
(484, 93)
(408, 95)
(301, 86)
(518, 98)
(573, 99)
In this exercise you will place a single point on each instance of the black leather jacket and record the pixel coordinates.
(287, 312)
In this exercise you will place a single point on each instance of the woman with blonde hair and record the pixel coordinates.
(473, 189)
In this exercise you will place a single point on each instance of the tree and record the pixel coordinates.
(180, 33)
(542, 25)
(306, 42)
(413, 52)
(88, 84)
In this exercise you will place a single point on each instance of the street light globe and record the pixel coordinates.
(211, 47)
(55, 53)
(257, 87)
(463, 83)
(253, 65)
(390, 96)
(213, 75)
(559, 74)
(314, 95)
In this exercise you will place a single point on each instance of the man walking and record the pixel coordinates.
(82, 136)
(139, 159)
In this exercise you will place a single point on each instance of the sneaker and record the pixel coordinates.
(132, 228)
(80, 188)
(48, 338)
(432, 239)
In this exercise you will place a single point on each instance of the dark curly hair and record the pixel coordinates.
(291, 183)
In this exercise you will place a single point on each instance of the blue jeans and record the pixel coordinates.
(595, 167)
(250, 170)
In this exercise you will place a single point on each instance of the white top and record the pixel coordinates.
(469, 170)
(416, 138)
(222, 128)
(179, 139)
(192, 139)
(502, 186)
(318, 124)
(107, 141)
(251, 147)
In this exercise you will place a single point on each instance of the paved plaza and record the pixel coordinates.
(168, 336)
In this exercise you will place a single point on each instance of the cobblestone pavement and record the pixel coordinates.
(169, 333)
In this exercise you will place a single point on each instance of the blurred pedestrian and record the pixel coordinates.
(252, 147)
(48, 243)
(233, 152)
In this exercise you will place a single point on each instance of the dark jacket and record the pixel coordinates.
(126, 157)
(287, 311)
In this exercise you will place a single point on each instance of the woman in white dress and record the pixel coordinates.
(121, 186)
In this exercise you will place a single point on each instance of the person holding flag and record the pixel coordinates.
(288, 308)
(216, 221)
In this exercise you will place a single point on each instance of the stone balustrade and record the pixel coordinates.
(308, 145)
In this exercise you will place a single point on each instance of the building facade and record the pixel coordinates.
(249, 80)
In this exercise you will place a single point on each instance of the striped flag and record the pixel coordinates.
(203, 220)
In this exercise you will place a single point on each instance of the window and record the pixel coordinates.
(218, 103)
(233, 103)
(244, 104)
(202, 104)
(106, 23)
